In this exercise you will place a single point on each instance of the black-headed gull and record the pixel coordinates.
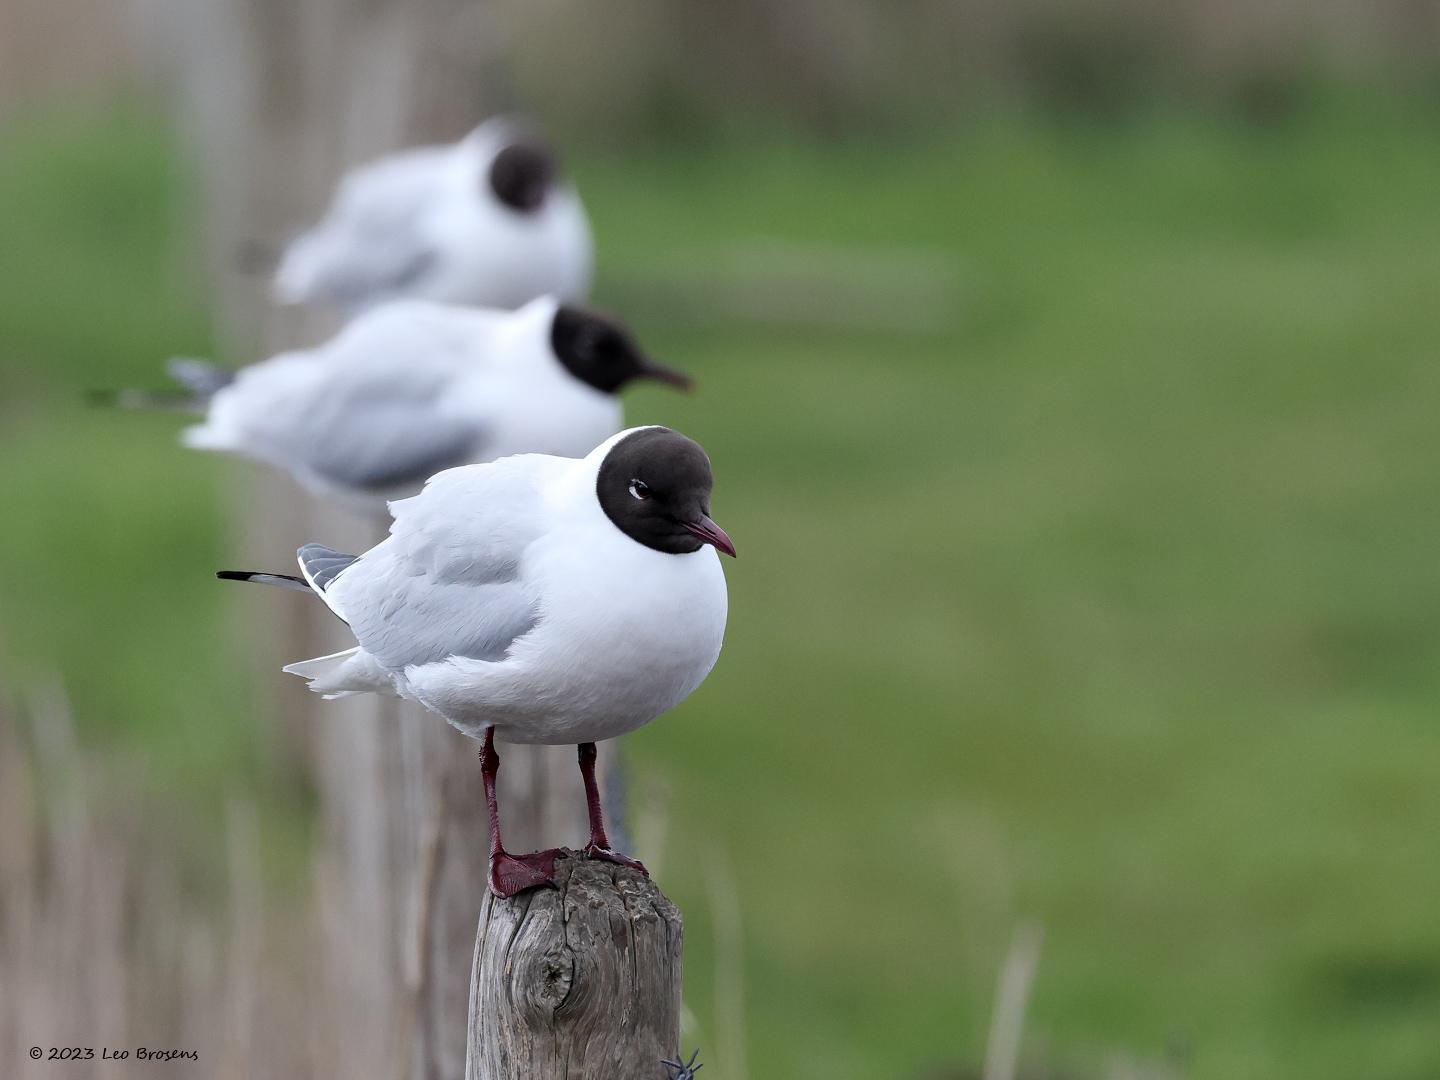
(486, 221)
(415, 387)
(535, 599)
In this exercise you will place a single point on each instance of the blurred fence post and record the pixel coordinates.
(281, 97)
(580, 980)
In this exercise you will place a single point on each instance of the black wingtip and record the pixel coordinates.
(181, 400)
(261, 577)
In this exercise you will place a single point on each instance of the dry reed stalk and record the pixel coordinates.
(107, 945)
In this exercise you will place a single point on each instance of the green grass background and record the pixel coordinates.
(1109, 601)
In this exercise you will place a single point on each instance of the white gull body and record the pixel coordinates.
(424, 223)
(405, 391)
(504, 596)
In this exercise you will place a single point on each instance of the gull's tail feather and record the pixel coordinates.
(341, 674)
(353, 671)
(199, 381)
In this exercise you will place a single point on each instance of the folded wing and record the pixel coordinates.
(370, 244)
(367, 411)
(450, 580)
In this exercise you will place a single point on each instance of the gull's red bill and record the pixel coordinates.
(707, 532)
(650, 369)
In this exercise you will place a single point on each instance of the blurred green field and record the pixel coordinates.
(1108, 600)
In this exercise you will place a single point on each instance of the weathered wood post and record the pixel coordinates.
(579, 981)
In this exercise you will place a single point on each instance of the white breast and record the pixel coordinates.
(535, 408)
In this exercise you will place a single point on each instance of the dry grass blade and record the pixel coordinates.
(729, 966)
(1012, 997)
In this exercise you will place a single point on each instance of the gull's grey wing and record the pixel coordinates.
(430, 623)
(449, 582)
(362, 274)
(370, 244)
(369, 410)
(389, 446)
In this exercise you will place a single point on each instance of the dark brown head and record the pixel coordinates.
(521, 175)
(601, 353)
(654, 484)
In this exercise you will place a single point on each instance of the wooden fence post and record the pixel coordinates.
(281, 98)
(580, 981)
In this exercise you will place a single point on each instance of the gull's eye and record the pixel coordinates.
(639, 490)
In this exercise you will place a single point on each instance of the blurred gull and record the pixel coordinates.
(486, 221)
(414, 387)
(535, 599)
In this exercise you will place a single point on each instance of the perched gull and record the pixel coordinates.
(485, 221)
(415, 387)
(535, 599)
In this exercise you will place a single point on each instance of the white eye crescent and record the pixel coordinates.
(639, 490)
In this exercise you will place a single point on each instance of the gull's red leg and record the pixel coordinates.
(599, 846)
(509, 874)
